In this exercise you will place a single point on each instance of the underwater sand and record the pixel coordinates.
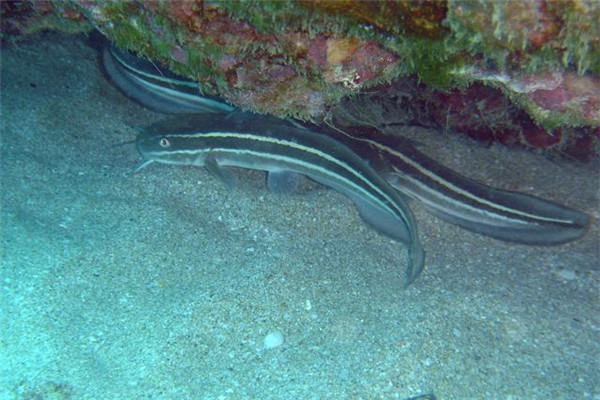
(163, 284)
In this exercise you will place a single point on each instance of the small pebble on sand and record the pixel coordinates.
(273, 340)
(567, 274)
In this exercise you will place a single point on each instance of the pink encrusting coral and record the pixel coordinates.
(480, 111)
(577, 97)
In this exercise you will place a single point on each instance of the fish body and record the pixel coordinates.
(246, 140)
(156, 87)
(501, 214)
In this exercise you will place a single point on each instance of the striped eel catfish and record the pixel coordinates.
(501, 214)
(156, 87)
(246, 140)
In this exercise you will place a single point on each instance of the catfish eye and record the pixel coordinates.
(164, 142)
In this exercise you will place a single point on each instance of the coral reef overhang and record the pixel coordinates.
(518, 72)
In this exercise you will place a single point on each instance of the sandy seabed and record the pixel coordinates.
(162, 284)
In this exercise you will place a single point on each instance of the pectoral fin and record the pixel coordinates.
(225, 175)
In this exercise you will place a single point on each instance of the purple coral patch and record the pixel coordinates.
(555, 99)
